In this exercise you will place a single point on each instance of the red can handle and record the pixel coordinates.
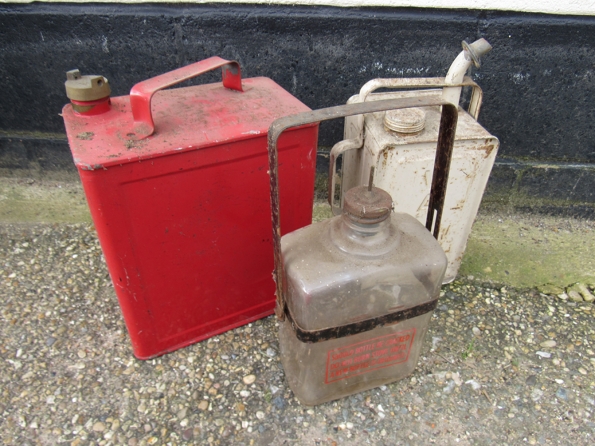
(142, 93)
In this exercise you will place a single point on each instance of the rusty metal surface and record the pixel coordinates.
(368, 204)
(446, 138)
(313, 336)
(476, 49)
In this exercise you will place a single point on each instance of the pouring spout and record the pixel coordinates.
(471, 54)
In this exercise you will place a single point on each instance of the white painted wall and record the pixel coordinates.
(561, 7)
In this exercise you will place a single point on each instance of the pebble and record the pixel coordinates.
(562, 394)
(249, 379)
(457, 379)
(544, 354)
(449, 387)
(575, 296)
(279, 402)
(583, 291)
(550, 289)
(99, 427)
(187, 434)
(536, 394)
(203, 405)
(548, 344)
(474, 384)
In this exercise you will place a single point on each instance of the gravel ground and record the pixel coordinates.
(499, 366)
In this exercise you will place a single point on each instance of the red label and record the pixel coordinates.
(369, 355)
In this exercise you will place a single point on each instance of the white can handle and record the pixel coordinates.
(373, 85)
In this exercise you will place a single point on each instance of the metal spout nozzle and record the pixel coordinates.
(371, 179)
(475, 50)
(471, 54)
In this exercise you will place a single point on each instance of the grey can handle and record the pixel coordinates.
(446, 137)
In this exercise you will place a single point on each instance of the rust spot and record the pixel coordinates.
(488, 150)
(444, 232)
(87, 136)
(313, 336)
(134, 143)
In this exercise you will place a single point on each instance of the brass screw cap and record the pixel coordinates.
(86, 88)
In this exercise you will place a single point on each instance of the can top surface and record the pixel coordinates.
(186, 119)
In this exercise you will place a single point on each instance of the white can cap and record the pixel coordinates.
(405, 120)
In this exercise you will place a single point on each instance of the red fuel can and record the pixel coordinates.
(178, 187)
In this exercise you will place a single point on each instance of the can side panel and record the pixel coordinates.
(406, 172)
(187, 237)
(316, 378)
(102, 197)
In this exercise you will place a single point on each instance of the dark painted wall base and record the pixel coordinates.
(538, 81)
(551, 189)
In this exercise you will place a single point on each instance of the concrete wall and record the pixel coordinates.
(537, 81)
